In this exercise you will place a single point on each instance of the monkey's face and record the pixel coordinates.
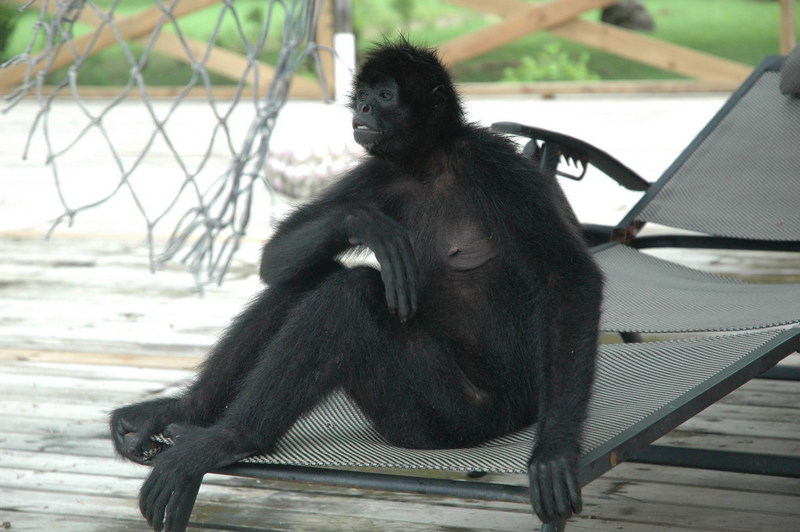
(379, 117)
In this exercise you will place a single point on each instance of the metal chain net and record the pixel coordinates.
(206, 237)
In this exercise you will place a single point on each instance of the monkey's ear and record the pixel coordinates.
(439, 95)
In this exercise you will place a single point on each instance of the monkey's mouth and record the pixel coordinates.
(363, 134)
(361, 126)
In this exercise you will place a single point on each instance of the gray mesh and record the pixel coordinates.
(647, 294)
(633, 381)
(742, 181)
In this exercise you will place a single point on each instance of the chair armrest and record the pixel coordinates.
(572, 147)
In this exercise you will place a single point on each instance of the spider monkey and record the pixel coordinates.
(482, 318)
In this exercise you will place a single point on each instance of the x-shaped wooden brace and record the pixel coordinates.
(560, 17)
(137, 27)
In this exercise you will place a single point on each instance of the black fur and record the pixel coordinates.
(482, 319)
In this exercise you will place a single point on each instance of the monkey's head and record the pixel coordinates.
(403, 101)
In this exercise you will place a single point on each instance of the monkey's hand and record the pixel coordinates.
(179, 469)
(554, 489)
(164, 491)
(390, 243)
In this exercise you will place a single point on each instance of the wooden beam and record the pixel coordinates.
(504, 8)
(661, 54)
(222, 92)
(100, 359)
(531, 18)
(553, 88)
(788, 26)
(128, 28)
(326, 26)
(220, 60)
(625, 43)
(229, 64)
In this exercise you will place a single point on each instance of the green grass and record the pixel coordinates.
(741, 30)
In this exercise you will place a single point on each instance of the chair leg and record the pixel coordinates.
(184, 509)
(558, 526)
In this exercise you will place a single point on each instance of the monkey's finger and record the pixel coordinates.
(400, 280)
(159, 508)
(412, 277)
(158, 513)
(146, 500)
(172, 508)
(122, 432)
(562, 504)
(574, 494)
(535, 493)
(387, 275)
(546, 493)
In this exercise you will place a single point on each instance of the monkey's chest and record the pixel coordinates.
(458, 260)
(463, 261)
(447, 238)
(453, 247)
(464, 247)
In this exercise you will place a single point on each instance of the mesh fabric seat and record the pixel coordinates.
(739, 178)
(641, 392)
(337, 434)
(646, 294)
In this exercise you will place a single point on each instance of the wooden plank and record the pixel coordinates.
(625, 43)
(770, 385)
(110, 359)
(524, 21)
(26, 521)
(742, 412)
(552, 88)
(220, 61)
(348, 510)
(788, 28)
(503, 8)
(629, 502)
(661, 54)
(740, 427)
(60, 442)
(127, 28)
(725, 442)
(680, 476)
(229, 64)
(326, 27)
(700, 508)
(767, 399)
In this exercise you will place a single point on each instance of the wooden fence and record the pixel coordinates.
(518, 19)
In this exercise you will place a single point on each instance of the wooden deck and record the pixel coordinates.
(84, 327)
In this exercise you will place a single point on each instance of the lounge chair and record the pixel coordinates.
(734, 187)
(642, 390)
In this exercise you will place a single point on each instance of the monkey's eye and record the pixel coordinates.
(361, 95)
(386, 95)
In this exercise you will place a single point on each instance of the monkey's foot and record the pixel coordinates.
(149, 448)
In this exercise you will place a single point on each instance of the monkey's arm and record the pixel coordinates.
(562, 321)
(309, 243)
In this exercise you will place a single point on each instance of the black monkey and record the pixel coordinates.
(482, 319)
